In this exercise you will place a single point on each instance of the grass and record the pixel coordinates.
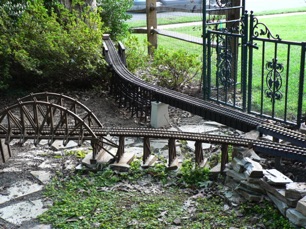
(143, 199)
(286, 108)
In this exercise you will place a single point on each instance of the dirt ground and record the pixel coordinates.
(110, 115)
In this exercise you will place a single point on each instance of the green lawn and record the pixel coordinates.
(288, 27)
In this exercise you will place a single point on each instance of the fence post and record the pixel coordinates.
(151, 25)
(301, 89)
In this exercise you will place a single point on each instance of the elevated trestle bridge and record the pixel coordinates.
(53, 116)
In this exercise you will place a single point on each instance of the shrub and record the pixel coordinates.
(54, 48)
(113, 14)
(175, 69)
(136, 53)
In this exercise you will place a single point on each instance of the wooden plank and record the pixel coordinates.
(5, 151)
(123, 164)
(173, 164)
(150, 161)
(180, 36)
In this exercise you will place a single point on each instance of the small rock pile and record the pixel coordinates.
(246, 176)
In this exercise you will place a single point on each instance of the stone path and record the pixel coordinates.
(24, 176)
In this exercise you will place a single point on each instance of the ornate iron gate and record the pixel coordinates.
(248, 68)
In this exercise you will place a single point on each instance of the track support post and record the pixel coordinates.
(199, 158)
(5, 151)
(224, 156)
(172, 161)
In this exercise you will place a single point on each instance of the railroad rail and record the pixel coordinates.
(136, 94)
(52, 116)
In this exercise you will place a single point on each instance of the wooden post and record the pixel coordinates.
(151, 25)
(146, 149)
(277, 160)
(224, 156)
(120, 151)
(199, 158)
(172, 161)
(5, 151)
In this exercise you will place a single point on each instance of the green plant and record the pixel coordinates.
(136, 53)
(193, 175)
(175, 69)
(77, 153)
(269, 215)
(51, 47)
(105, 200)
(114, 16)
(159, 172)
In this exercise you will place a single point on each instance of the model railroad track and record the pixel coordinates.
(138, 95)
(50, 116)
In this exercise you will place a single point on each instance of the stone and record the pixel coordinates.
(233, 198)
(253, 169)
(58, 145)
(301, 206)
(296, 190)
(236, 176)
(43, 176)
(275, 177)
(198, 128)
(215, 170)
(253, 134)
(281, 205)
(241, 152)
(238, 165)
(42, 226)
(177, 221)
(19, 189)
(23, 211)
(254, 156)
(255, 188)
(231, 183)
(296, 217)
(252, 197)
(276, 191)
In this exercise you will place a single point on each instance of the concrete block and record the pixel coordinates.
(19, 189)
(43, 176)
(23, 211)
(253, 168)
(58, 145)
(296, 190)
(159, 115)
(273, 176)
(296, 217)
(301, 206)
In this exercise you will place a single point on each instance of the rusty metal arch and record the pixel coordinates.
(43, 120)
(65, 101)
